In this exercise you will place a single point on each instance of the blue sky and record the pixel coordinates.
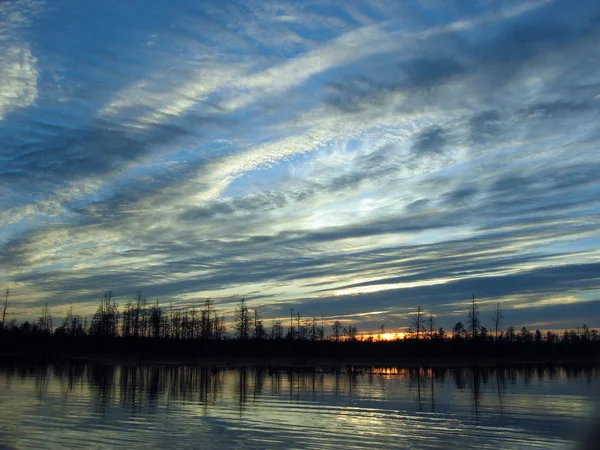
(347, 159)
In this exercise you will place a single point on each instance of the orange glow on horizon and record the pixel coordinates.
(385, 336)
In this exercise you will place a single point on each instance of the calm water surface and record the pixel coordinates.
(96, 406)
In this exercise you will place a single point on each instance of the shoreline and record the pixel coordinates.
(284, 363)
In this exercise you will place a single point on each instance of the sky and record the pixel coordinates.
(348, 159)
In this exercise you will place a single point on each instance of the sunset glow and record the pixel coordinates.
(347, 160)
(385, 336)
(320, 224)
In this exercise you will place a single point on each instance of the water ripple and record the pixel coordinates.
(118, 406)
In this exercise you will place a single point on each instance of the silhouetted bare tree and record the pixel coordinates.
(417, 323)
(127, 320)
(207, 325)
(431, 323)
(259, 329)
(72, 325)
(525, 336)
(441, 334)
(483, 333)
(135, 319)
(551, 337)
(156, 321)
(350, 332)
(337, 331)
(510, 334)
(5, 306)
(105, 320)
(242, 320)
(498, 317)
(474, 318)
(316, 332)
(277, 330)
(291, 331)
(300, 327)
(220, 327)
(45, 320)
(144, 318)
(458, 330)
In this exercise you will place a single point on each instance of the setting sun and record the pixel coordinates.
(385, 336)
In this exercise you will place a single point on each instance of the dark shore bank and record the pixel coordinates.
(296, 354)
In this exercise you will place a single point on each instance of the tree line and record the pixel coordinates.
(141, 319)
(422, 327)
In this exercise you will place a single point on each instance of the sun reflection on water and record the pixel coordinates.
(73, 405)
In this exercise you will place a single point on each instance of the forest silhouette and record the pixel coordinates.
(147, 331)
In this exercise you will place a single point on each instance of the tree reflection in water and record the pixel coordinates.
(136, 387)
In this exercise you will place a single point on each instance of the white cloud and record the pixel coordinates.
(339, 217)
(159, 105)
(18, 67)
(243, 85)
(348, 48)
(19, 74)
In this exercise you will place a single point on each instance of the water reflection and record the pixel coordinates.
(389, 406)
(141, 386)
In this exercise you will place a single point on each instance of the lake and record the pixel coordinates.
(161, 406)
